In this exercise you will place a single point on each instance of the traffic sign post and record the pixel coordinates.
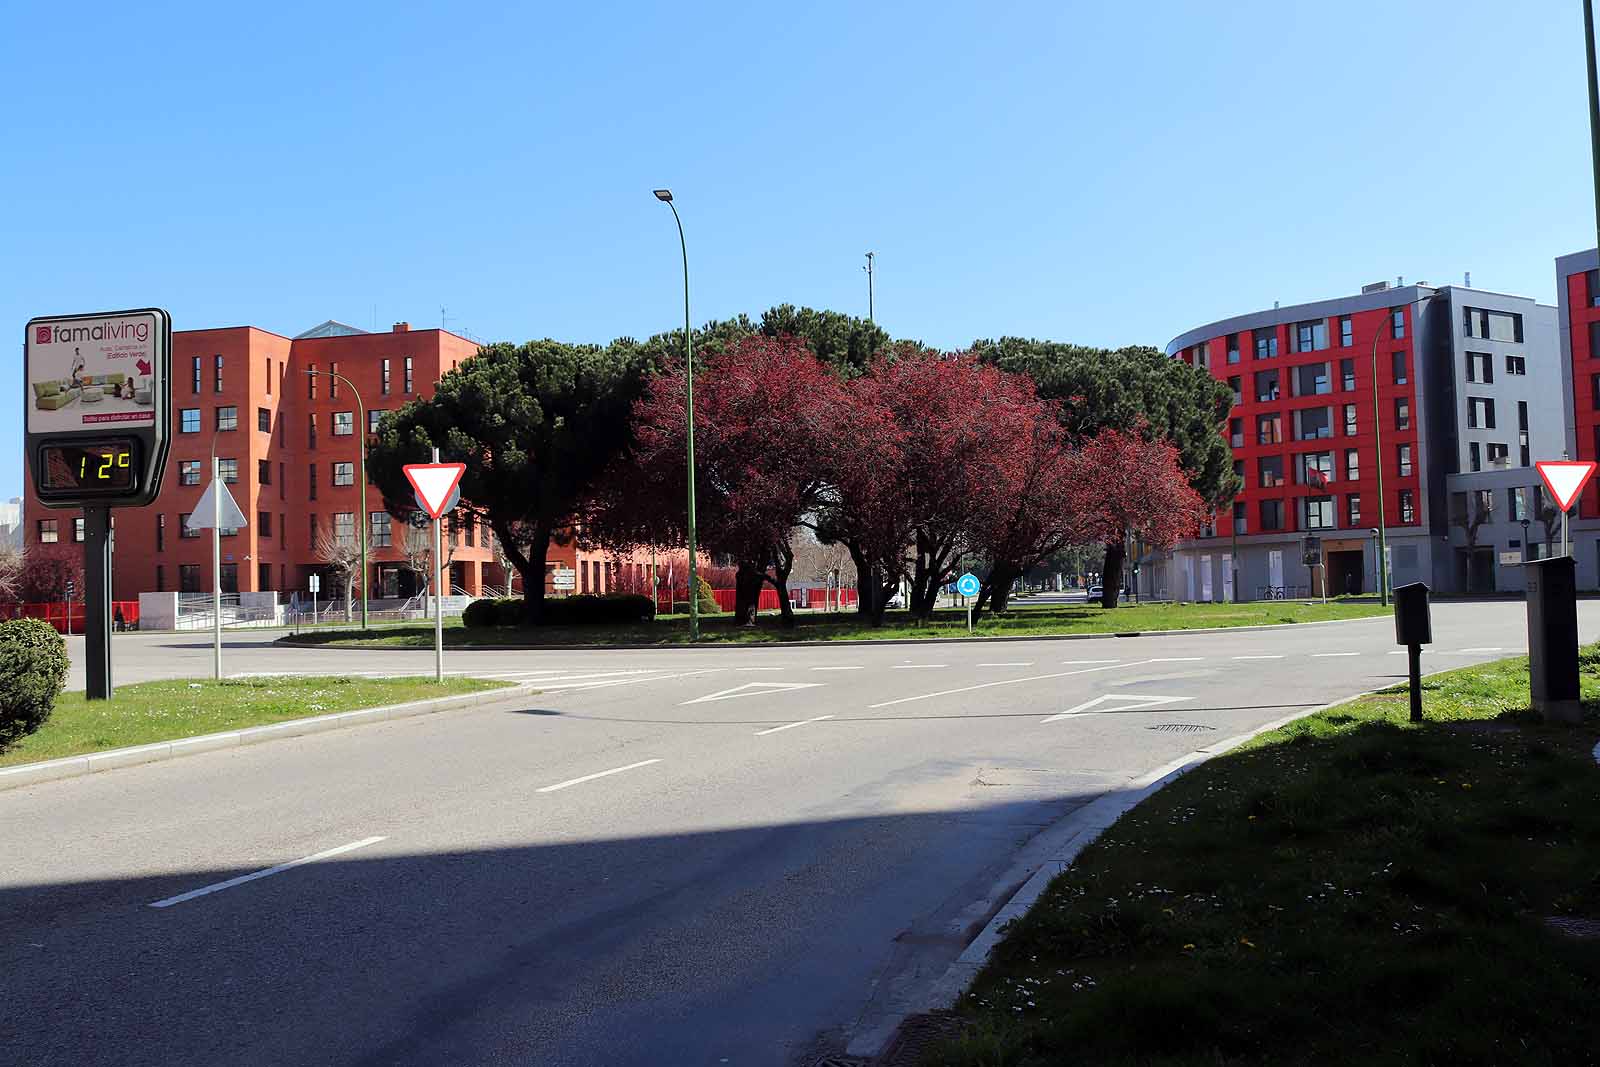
(1565, 480)
(97, 427)
(438, 489)
(223, 514)
(315, 582)
(969, 586)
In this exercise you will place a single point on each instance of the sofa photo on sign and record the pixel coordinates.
(55, 394)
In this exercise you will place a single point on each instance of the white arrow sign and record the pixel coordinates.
(206, 515)
(751, 689)
(1142, 702)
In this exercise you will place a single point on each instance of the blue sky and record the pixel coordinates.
(1099, 173)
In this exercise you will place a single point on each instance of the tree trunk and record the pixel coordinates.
(530, 567)
(866, 580)
(1001, 580)
(747, 591)
(782, 567)
(349, 592)
(1111, 574)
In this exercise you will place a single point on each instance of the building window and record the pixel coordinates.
(195, 382)
(344, 527)
(1349, 420)
(311, 432)
(378, 536)
(1408, 506)
(1314, 468)
(189, 420)
(229, 469)
(1400, 368)
(1402, 413)
(189, 472)
(1233, 348)
(1474, 456)
(1271, 515)
(230, 577)
(1267, 385)
(1313, 424)
(1269, 472)
(1516, 366)
(1200, 355)
(311, 473)
(184, 530)
(1319, 513)
(343, 423)
(1492, 325)
(1352, 465)
(282, 483)
(1403, 456)
(264, 471)
(1266, 342)
(1311, 336)
(1236, 433)
(1480, 412)
(217, 385)
(264, 523)
(1522, 430)
(161, 578)
(1347, 374)
(1311, 380)
(1397, 321)
(77, 530)
(1517, 498)
(408, 374)
(1499, 454)
(1480, 367)
(269, 375)
(1238, 472)
(1591, 281)
(227, 418)
(1347, 334)
(1237, 385)
(47, 532)
(333, 381)
(1352, 510)
(1238, 516)
(384, 378)
(1594, 339)
(189, 578)
(1269, 429)
(263, 420)
(344, 474)
(311, 381)
(161, 533)
(376, 416)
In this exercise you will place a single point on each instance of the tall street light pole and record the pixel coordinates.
(361, 456)
(665, 196)
(1377, 429)
(868, 269)
(1594, 109)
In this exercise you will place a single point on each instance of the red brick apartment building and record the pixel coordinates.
(289, 447)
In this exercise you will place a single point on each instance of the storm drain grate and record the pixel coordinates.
(917, 1035)
(1180, 727)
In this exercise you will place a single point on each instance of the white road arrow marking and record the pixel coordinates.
(750, 689)
(1126, 700)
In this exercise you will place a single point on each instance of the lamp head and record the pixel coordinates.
(664, 195)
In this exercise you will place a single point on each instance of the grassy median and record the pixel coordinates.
(166, 711)
(1348, 889)
(1024, 621)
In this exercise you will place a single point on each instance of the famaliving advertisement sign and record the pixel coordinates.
(93, 372)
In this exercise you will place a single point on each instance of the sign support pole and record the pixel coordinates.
(1565, 551)
(97, 602)
(438, 599)
(216, 569)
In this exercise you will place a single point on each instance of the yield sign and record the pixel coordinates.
(1129, 702)
(205, 510)
(1565, 479)
(752, 689)
(434, 483)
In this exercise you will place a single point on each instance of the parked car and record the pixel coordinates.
(897, 601)
(1096, 591)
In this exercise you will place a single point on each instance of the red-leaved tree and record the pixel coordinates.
(1131, 486)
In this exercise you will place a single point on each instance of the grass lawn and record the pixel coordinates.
(1349, 889)
(1026, 621)
(165, 711)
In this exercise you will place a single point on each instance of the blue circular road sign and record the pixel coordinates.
(968, 584)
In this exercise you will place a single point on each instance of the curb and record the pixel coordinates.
(719, 646)
(1076, 832)
(24, 774)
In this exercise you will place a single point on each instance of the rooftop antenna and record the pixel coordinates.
(1468, 281)
(868, 269)
(1399, 281)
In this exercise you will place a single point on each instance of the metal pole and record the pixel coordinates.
(1594, 108)
(1565, 551)
(361, 431)
(96, 602)
(1414, 654)
(1377, 427)
(688, 372)
(868, 269)
(438, 601)
(216, 568)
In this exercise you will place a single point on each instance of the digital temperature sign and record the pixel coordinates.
(109, 466)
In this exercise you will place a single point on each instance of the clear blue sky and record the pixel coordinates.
(1100, 173)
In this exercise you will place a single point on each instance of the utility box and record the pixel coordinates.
(1413, 622)
(1553, 637)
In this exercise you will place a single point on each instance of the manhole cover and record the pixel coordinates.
(1587, 929)
(1180, 727)
(917, 1035)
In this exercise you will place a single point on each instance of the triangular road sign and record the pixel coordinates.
(1144, 702)
(204, 510)
(1565, 479)
(434, 483)
(751, 689)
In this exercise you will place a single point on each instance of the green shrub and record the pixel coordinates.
(481, 614)
(702, 593)
(33, 671)
(509, 611)
(588, 610)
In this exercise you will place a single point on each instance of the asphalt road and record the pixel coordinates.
(739, 856)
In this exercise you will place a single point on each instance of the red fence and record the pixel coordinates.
(64, 616)
(801, 598)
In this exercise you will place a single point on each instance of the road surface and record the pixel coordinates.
(734, 855)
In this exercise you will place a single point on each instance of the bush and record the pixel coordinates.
(33, 671)
(481, 614)
(702, 593)
(587, 610)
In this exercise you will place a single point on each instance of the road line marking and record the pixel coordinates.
(838, 668)
(916, 666)
(597, 774)
(1327, 655)
(1258, 657)
(758, 668)
(792, 725)
(1081, 709)
(216, 887)
(1401, 651)
(1176, 659)
(1027, 663)
(1486, 648)
(1071, 662)
(990, 685)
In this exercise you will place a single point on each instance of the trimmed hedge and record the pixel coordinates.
(33, 672)
(585, 610)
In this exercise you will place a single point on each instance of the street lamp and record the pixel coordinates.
(361, 456)
(665, 196)
(1377, 429)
